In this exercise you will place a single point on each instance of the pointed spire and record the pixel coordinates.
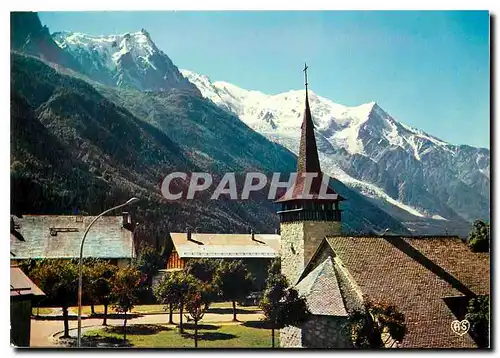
(308, 161)
(305, 75)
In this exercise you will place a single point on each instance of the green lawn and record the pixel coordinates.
(99, 309)
(248, 335)
(41, 311)
(151, 309)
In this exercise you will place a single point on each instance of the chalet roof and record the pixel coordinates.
(417, 275)
(226, 245)
(322, 292)
(59, 236)
(21, 285)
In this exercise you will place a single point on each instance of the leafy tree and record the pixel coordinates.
(479, 237)
(99, 277)
(281, 305)
(173, 289)
(165, 292)
(197, 303)
(367, 325)
(125, 283)
(478, 315)
(149, 261)
(274, 267)
(58, 279)
(27, 266)
(87, 283)
(203, 269)
(234, 281)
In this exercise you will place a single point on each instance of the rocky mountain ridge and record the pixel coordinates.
(411, 174)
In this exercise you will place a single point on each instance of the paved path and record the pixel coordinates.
(43, 331)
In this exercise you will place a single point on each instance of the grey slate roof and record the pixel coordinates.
(106, 239)
(321, 290)
(226, 245)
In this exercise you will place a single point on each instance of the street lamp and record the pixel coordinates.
(80, 265)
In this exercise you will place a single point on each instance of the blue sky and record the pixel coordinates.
(427, 69)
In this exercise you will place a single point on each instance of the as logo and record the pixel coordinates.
(460, 327)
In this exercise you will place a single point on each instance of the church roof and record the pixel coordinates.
(426, 279)
(226, 245)
(322, 292)
(308, 162)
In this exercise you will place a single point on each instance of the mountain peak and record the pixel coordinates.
(410, 173)
(128, 60)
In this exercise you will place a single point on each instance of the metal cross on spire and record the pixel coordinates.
(305, 73)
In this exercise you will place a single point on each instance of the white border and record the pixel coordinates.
(94, 5)
(59, 5)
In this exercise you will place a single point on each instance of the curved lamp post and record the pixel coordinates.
(80, 265)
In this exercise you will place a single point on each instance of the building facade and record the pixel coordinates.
(255, 250)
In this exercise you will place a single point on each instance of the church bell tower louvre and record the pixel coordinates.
(306, 216)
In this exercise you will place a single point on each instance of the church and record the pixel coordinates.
(428, 279)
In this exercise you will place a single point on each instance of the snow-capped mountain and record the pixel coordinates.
(128, 60)
(413, 175)
(417, 179)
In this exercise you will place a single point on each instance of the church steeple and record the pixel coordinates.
(306, 217)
